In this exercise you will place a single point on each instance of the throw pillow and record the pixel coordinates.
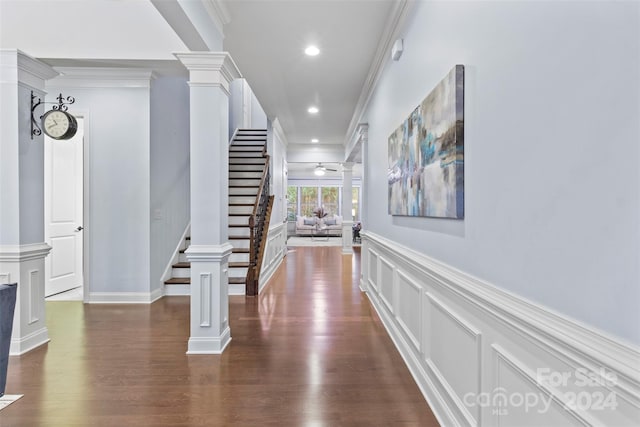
(330, 221)
(309, 221)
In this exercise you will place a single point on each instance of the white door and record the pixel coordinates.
(63, 170)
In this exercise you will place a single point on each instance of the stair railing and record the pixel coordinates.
(257, 224)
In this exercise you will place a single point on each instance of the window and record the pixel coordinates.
(308, 200)
(292, 203)
(330, 200)
(304, 200)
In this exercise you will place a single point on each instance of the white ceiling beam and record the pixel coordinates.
(198, 23)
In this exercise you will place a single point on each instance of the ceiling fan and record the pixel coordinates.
(320, 170)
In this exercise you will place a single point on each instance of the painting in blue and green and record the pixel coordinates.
(426, 154)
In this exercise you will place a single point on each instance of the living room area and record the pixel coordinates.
(315, 204)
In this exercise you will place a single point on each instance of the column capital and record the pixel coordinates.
(347, 167)
(210, 68)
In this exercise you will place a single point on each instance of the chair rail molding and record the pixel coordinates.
(478, 352)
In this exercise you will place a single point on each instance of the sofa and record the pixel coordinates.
(306, 226)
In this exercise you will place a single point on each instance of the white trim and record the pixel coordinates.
(18, 67)
(124, 297)
(275, 251)
(209, 345)
(218, 13)
(27, 343)
(210, 68)
(206, 253)
(237, 289)
(177, 290)
(166, 274)
(90, 77)
(20, 253)
(535, 334)
(397, 17)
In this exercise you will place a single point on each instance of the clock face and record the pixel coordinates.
(58, 124)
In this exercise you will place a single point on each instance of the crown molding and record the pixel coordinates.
(17, 66)
(218, 13)
(392, 29)
(95, 77)
(353, 151)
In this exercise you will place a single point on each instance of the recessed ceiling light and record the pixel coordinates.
(313, 110)
(312, 51)
(315, 140)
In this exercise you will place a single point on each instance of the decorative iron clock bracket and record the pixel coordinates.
(62, 105)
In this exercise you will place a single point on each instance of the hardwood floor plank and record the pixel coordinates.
(310, 350)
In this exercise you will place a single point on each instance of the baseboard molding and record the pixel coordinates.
(29, 342)
(125, 297)
(465, 340)
(209, 345)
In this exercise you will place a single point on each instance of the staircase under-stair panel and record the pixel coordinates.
(247, 159)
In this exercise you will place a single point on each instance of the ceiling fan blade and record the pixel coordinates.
(332, 170)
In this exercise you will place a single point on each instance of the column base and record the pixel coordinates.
(209, 345)
(347, 237)
(24, 344)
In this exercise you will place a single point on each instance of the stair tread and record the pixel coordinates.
(237, 280)
(240, 204)
(239, 237)
(178, 281)
(239, 226)
(240, 250)
(182, 264)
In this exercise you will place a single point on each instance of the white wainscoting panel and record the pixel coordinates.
(372, 268)
(274, 253)
(387, 284)
(35, 296)
(478, 352)
(409, 312)
(455, 353)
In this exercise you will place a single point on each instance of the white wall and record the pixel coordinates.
(551, 150)
(117, 138)
(87, 29)
(278, 151)
(170, 189)
(245, 111)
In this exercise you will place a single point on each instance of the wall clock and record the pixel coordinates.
(59, 124)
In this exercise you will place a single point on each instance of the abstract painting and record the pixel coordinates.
(426, 154)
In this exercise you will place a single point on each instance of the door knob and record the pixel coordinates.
(80, 228)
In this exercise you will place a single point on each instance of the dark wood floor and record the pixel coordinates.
(310, 351)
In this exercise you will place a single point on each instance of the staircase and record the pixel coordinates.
(249, 212)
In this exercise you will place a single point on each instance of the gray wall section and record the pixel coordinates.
(117, 137)
(170, 189)
(551, 150)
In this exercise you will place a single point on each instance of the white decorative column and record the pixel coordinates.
(210, 74)
(347, 206)
(22, 246)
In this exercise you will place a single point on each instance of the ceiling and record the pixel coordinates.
(267, 40)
